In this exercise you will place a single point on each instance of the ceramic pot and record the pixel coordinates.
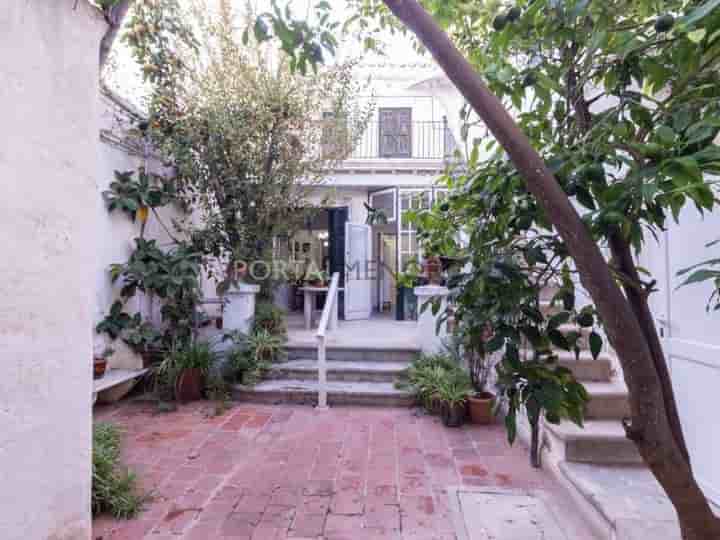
(453, 415)
(189, 385)
(99, 367)
(481, 408)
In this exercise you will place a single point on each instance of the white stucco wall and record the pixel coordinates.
(48, 234)
(120, 151)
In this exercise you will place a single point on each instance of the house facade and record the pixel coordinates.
(394, 166)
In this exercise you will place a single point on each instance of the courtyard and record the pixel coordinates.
(273, 472)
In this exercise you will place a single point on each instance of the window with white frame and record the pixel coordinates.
(415, 199)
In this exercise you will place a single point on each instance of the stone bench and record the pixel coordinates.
(115, 384)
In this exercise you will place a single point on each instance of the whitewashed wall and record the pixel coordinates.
(48, 167)
(120, 151)
(690, 336)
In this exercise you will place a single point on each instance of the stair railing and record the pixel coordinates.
(328, 321)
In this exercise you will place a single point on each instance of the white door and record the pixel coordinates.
(691, 337)
(359, 271)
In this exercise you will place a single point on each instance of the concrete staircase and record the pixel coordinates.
(599, 467)
(602, 439)
(356, 376)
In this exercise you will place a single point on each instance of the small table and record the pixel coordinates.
(310, 293)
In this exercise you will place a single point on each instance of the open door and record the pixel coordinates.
(358, 271)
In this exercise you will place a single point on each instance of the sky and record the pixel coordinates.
(124, 77)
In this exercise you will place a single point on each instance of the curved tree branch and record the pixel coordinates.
(648, 399)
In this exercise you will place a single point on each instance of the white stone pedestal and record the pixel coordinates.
(430, 339)
(240, 309)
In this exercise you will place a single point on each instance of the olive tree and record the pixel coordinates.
(244, 133)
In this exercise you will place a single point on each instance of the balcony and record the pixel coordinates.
(417, 145)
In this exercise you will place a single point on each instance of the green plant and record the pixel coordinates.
(528, 384)
(705, 271)
(142, 337)
(612, 85)
(218, 391)
(173, 276)
(135, 197)
(199, 355)
(480, 365)
(453, 388)
(375, 216)
(115, 322)
(263, 347)
(317, 276)
(218, 106)
(426, 374)
(410, 277)
(245, 367)
(271, 318)
(113, 491)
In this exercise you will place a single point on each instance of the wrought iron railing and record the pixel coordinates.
(424, 140)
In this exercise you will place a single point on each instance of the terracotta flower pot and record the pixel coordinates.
(432, 268)
(189, 385)
(453, 415)
(99, 367)
(481, 408)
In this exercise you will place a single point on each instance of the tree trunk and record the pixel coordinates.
(535, 459)
(650, 428)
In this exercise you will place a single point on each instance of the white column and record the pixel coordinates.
(240, 309)
(429, 336)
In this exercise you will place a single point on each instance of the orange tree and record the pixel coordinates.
(607, 113)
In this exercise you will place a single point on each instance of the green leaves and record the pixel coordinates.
(130, 195)
(699, 13)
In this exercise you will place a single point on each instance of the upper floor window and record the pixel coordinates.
(395, 132)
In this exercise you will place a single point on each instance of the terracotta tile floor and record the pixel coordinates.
(273, 472)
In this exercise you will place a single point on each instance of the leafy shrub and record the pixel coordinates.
(113, 491)
(262, 346)
(271, 318)
(437, 377)
(245, 368)
(218, 390)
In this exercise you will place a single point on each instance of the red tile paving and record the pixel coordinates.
(277, 472)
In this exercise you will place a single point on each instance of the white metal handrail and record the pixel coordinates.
(329, 320)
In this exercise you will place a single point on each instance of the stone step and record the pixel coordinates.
(608, 401)
(307, 370)
(585, 367)
(627, 499)
(353, 354)
(599, 441)
(339, 393)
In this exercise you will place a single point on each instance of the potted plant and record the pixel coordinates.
(482, 401)
(406, 300)
(318, 278)
(466, 348)
(186, 369)
(100, 362)
(144, 339)
(452, 393)
(433, 269)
